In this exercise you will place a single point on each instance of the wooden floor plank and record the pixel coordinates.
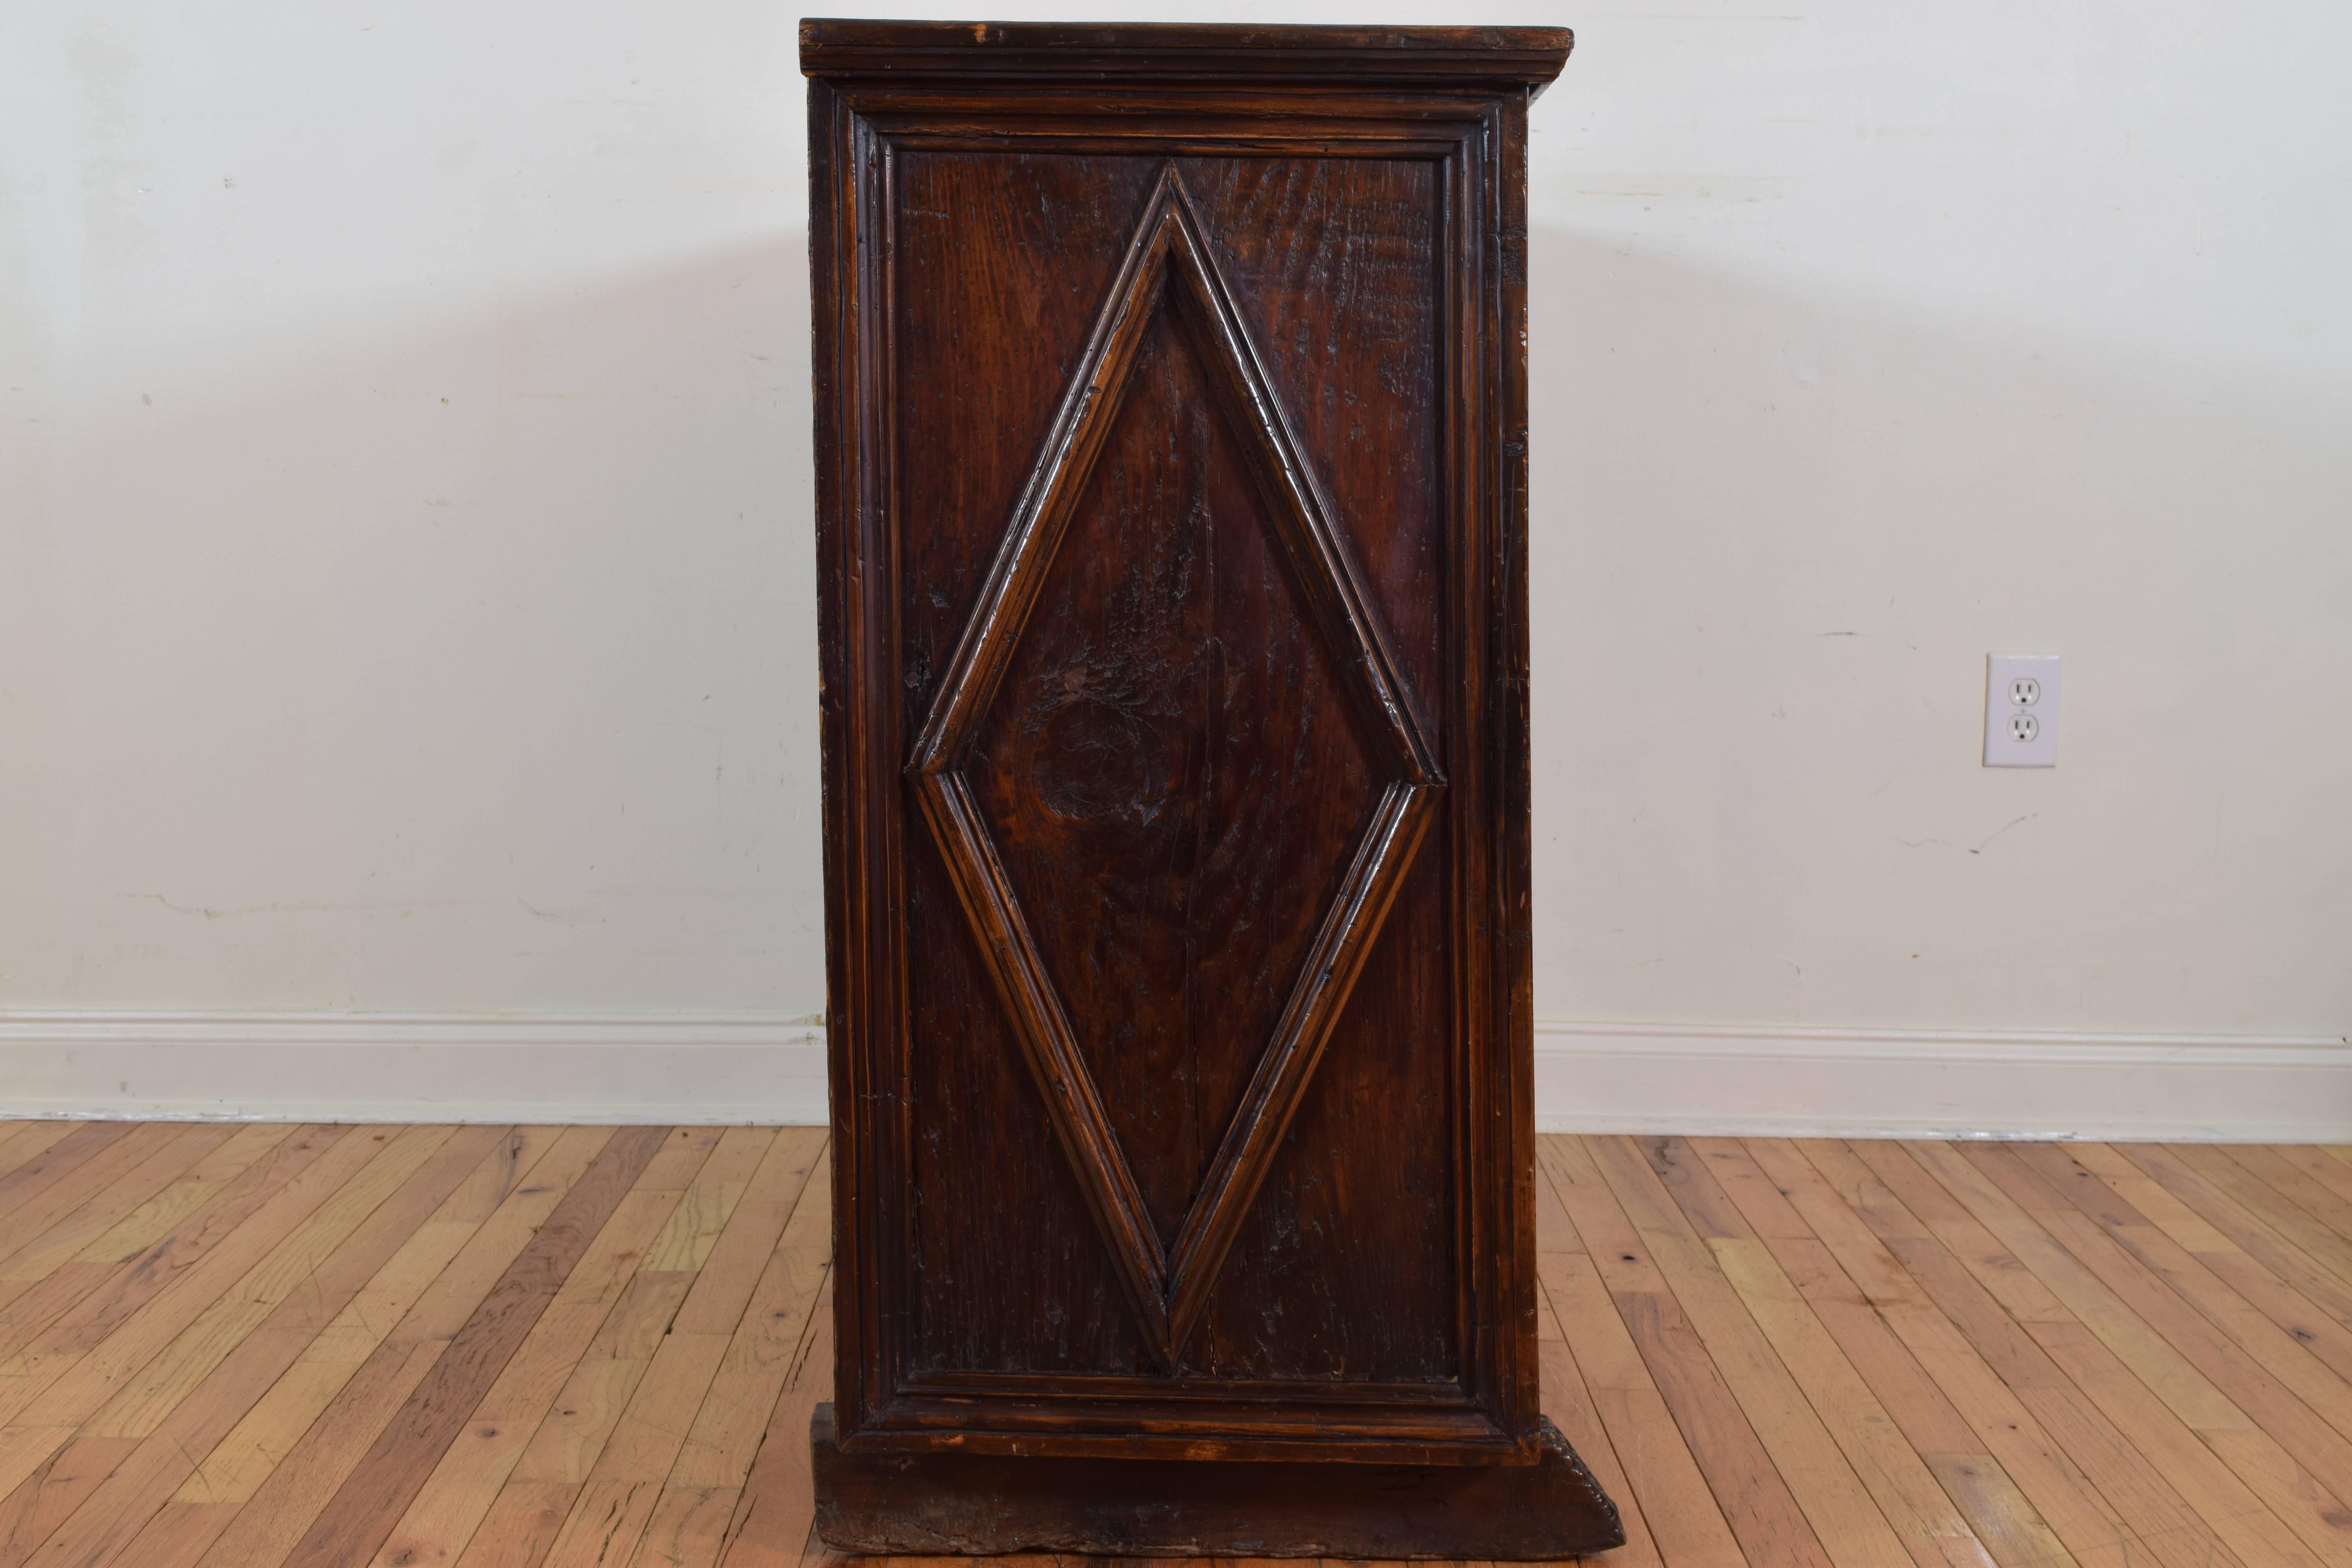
(619, 1500)
(687, 1528)
(57, 1270)
(471, 1472)
(2297, 1361)
(2186, 1235)
(1973, 1466)
(140, 1160)
(1852, 1528)
(23, 1216)
(1569, 1405)
(330, 1408)
(386, 1480)
(2271, 1166)
(794, 1256)
(1884, 1454)
(21, 1140)
(2011, 1529)
(242, 1347)
(176, 1153)
(1663, 1481)
(1927, 1418)
(2321, 1245)
(247, 1390)
(2317, 1162)
(79, 1363)
(2236, 1226)
(2181, 1359)
(566, 1446)
(417, 1170)
(429, 1233)
(2144, 1387)
(1568, 1401)
(288, 1271)
(1748, 1487)
(775, 1516)
(162, 1214)
(744, 1249)
(1908, 1496)
(371, 1222)
(521, 1526)
(31, 1514)
(2106, 1501)
(186, 1254)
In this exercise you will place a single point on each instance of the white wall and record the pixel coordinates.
(405, 586)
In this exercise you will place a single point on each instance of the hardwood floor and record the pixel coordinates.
(237, 1347)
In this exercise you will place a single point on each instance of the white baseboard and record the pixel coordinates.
(1854, 1083)
(770, 1069)
(357, 1066)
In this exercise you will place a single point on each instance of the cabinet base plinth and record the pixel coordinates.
(949, 1504)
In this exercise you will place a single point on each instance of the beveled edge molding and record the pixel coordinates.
(1094, 53)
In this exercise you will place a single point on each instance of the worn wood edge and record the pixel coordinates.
(970, 1504)
(1161, 52)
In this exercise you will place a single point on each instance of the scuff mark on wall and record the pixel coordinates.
(1923, 843)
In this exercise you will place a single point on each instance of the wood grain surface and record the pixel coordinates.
(1170, 450)
(1768, 1352)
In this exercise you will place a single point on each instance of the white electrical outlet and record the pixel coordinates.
(2021, 710)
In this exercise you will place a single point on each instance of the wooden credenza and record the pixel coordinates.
(1171, 463)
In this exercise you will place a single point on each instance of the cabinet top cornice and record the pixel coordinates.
(1079, 52)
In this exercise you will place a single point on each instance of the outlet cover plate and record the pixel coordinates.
(2021, 711)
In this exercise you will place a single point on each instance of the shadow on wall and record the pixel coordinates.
(1776, 534)
(468, 665)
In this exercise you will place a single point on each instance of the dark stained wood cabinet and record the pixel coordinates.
(1171, 456)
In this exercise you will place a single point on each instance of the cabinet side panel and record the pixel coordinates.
(1335, 267)
(1000, 263)
(1518, 1371)
(1348, 1267)
(857, 1012)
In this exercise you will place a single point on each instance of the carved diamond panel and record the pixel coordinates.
(1169, 308)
